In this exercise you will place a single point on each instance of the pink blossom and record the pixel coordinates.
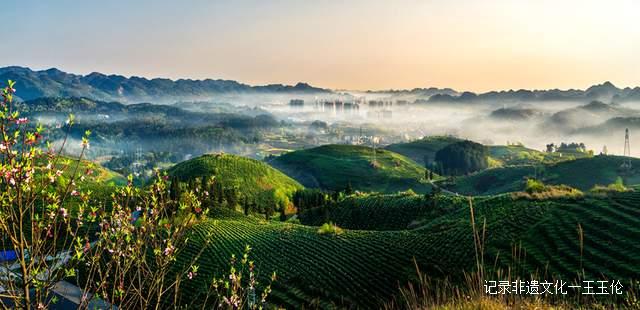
(169, 250)
(22, 120)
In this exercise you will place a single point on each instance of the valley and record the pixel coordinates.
(345, 199)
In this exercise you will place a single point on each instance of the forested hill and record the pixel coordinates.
(56, 83)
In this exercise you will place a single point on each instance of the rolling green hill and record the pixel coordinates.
(360, 268)
(100, 181)
(352, 269)
(94, 173)
(335, 167)
(548, 232)
(251, 176)
(423, 148)
(499, 155)
(99, 175)
(583, 174)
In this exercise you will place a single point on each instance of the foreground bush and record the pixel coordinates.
(122, 251)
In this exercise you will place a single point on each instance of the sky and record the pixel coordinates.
(356, 45)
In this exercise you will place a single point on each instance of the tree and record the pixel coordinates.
(463, 157)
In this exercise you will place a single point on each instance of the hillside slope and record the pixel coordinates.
(360, 268)
(252, 177)
(423, 148)
(582, 173)
(355, 269)
(336, 167)
(499, 155)
(546, 230)
(547, 236)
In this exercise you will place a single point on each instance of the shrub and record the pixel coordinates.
(534, 186)
(329, 229)
(123, 250)
(616, 187)
(537, 190)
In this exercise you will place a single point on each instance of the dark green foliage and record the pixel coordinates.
(462, 158)
(375, 211)
(310, 198)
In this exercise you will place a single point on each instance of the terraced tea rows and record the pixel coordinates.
(362, 268)
(356, 268)
(610, 229)
(548, 232)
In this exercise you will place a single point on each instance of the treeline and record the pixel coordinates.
(214, 194)
(372, 211)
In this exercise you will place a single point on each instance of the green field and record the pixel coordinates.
(336, 167)
(355, 268)
(360, 268)
(583, 174)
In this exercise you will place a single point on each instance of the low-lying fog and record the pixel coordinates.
(535, 124)
(238, 124)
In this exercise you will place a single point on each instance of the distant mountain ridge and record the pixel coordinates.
(52, 82)
(606, 92)
(32, 84)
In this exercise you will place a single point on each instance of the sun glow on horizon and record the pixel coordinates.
(462, 44)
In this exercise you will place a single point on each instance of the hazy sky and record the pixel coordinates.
(464, 44)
